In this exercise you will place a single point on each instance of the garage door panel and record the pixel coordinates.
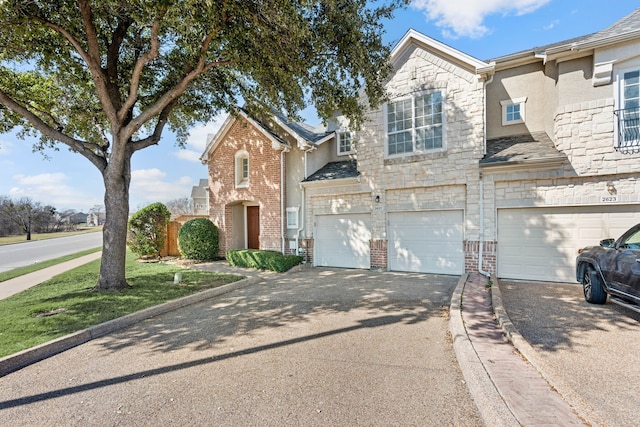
(542, 243)
(343, 241)
(426, 242)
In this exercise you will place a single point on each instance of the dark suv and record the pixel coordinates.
(612, 268)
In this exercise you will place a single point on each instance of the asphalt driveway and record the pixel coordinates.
(314, 347)
(591, 353)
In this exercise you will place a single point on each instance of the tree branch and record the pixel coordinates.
(140, 63)
(88, 150)
(157, 132)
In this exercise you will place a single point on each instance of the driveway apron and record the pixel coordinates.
(314, 347)
(590, 353)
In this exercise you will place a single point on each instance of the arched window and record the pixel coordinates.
(242, 168)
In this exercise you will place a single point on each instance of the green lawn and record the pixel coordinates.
(43, 236)
(6, 275)
(151, 284)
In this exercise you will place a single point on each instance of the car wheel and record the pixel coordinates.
(593, 291)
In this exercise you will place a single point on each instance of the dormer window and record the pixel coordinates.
(242, 169)
(513, 111)
(345, 145)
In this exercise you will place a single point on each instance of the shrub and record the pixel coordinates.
(262, 260)
(198, 240)
(148, 229)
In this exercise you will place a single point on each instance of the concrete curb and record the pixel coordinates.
(32, 355)
(492, 407)
(528, 352)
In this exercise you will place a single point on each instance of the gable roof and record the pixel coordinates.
(525, 149)
(216, 139)
(415, 37)
(304, 133)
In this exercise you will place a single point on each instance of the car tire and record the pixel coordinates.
(592, 287)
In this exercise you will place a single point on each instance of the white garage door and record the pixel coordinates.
(426, 242)
(342, 241)
(542, 243)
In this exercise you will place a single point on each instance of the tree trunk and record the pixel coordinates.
(117, 177)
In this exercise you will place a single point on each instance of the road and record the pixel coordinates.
(27, 253)
(321, 347)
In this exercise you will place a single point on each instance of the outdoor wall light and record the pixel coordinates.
(377, 199)
(611, 188)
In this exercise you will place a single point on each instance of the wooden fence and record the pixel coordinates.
(171, 242)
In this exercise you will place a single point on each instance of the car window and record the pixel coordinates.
(633, 241)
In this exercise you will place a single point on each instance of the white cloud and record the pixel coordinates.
(189, 155)
(198, 136)
(465, 17)
(5, 147)
(54, 189)
(151, 185)
(551, 25)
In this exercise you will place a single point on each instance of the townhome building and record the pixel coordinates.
(505, 166)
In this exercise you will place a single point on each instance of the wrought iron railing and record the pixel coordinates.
(628, 130)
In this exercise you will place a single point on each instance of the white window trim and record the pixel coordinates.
(240, 181)
(338, 135)
(443, 94)
(618, 96)
(509, 102)
(293, 226)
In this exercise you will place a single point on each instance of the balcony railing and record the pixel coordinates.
(628, 130)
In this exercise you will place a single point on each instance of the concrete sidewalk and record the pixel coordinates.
(508, 389)
(20, 283)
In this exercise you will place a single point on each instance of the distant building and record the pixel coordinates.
(96, 219)
(200, 198)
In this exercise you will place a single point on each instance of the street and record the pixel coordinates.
(315, 347)
(27, 253)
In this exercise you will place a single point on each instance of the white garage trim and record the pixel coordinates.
(542, 243)
(342, 240)
(426, 241)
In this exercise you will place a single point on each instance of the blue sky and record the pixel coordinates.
(484, 29)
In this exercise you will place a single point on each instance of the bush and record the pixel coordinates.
(148, 229)
(262, 260)
(198, 240)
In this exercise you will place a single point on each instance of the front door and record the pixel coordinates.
(253, 227)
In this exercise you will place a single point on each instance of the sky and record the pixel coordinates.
(484, 29)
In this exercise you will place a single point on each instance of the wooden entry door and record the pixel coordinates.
(253, 227)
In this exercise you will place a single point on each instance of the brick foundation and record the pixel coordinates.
(378, 250)
(472, 251)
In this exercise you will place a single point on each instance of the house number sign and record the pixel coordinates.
(609, 199)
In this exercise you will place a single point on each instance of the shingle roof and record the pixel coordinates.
(335, 170)
(312, 134)
(526, 148)
(628, 24)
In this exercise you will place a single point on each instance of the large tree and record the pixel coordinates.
(105, 77)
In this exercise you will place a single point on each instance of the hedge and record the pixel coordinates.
(262, 260)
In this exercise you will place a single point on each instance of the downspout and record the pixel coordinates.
(283, 208)
(302, 205)
(481, 185)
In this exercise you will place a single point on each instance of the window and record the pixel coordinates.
(345, 145)
(242, 169)
(414, 125)
(292, 218)
(628, 123)
(513, 111)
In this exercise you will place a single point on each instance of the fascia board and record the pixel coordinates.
(413, 35)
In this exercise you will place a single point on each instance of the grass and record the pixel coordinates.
(151, 284)
(9, 240)
(6, 275)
